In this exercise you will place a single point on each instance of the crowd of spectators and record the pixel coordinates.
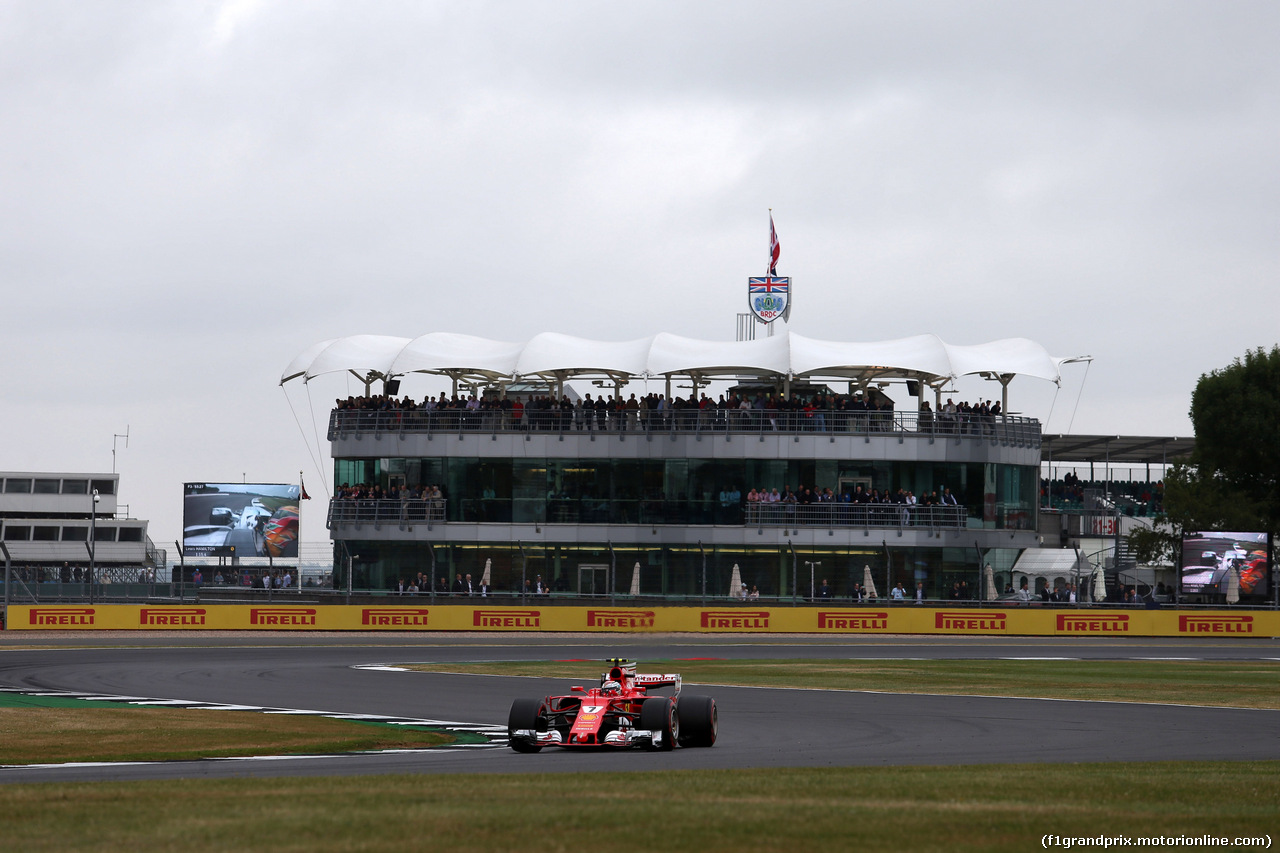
(804, 505)
(858, 506)
(464, 585)
(806, 495)
(819, 412)
(374, 492)
(1131, 497)
(369, 501)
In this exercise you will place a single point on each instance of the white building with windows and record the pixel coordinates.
(54, 524)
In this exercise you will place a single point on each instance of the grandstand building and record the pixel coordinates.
(651, 496)
(54, 525)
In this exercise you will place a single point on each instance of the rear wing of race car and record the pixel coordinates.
(625, 670)
(668, 680)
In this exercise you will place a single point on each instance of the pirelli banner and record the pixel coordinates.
(907, 619)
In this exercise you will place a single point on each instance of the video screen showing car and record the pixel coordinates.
(1208, 559)
(240, 519)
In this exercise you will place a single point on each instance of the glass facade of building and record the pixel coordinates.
(682, 491)
(677, 572)
(644, 502)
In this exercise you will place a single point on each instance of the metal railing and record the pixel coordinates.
(1001, 429)
(386, 511)
(592, 511)
(38, 583)
(854, 515)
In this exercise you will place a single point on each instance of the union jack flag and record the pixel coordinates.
(769, 283)
(775, 248)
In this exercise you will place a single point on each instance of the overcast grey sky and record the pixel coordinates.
(193, 193)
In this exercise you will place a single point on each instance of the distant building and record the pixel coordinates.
(51, 525)
(575, 499)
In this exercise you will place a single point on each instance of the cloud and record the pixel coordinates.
(196, 193)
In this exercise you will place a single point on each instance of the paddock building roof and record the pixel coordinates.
(1115, 449)
(556, 357)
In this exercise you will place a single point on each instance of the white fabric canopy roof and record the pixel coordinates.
(1051, 563)
(924, 357)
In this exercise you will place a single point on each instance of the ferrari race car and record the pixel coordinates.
(618, 713)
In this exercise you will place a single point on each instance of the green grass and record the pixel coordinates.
(49, 729)
(1243, 684)
(997, 807)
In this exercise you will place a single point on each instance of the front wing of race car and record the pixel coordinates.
(621, 737)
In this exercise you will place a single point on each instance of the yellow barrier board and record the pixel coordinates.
(906, 619)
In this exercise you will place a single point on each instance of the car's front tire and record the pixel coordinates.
(525, 714)
(698, 720)
(658, 714)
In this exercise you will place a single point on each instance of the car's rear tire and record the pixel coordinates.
(525, 714)
(698, 720)
(658, 714)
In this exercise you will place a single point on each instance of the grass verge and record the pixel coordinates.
(998, 807)
(1241, 684)
(42, 730)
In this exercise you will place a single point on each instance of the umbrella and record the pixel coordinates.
(635, 580)
(1233, 585)
(735, 583)
(1099, 585)
(989, 588)
(867, 583)
(485, 580)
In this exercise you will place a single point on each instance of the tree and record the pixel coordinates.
(1230, 480)
(1236, 415)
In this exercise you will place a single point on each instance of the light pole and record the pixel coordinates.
(704, 573)
(93, 539)
(524, 572)
(8, 579)
(812, 566)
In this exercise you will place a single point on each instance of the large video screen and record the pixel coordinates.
(240, 519)
(1207, 559)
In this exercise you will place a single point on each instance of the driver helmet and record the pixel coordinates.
(610, 688)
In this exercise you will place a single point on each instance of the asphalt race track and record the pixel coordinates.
(758, 727)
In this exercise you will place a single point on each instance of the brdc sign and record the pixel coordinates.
(768, 296)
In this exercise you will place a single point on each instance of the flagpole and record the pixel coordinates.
(775, 252)
(297, 570)
(768, 270)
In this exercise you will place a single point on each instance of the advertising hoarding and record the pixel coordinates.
(422, 615)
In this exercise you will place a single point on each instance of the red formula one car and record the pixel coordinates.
(618, 713)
